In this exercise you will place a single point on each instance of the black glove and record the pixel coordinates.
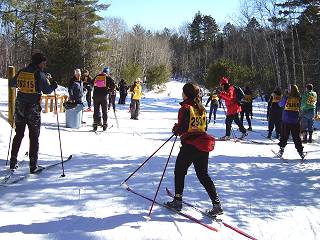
(175, 129)
(54, 84)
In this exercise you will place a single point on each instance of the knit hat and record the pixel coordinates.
(38, 58)
(224, 80)
(106, 70)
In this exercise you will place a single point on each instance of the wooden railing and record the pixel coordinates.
(51, 104)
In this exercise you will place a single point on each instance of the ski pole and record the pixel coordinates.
(10, 142)
(115, 116)
(147, 159)
(233, 134)
(56, 106)
(165, 168)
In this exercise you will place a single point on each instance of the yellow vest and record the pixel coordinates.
(215, 97)
(197, 122)
(26, 82)
(276, 98)
(137, 92)
(292, 104)
(247, 98)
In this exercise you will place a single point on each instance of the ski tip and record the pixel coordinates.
(124, 185)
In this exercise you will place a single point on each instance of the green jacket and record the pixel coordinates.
(309, 101)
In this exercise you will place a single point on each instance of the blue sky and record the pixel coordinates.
(157, 14)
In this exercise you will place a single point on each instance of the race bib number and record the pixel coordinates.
(197, 122)
(100, 82)
(311, 100)
(292, 104)
(26, 82)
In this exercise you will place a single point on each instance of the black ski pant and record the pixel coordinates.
(213, 109)
(112, 101)
(122, 98)
(135, 108)
(294, 129)
(247, 114)
(26, 114)
(88, 97)
(274, 121)
(229, 120)
(188, 155)
(100, 101)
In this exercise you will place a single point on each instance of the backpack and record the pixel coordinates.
(239, 94)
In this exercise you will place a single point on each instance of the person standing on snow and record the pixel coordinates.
(76, 91)
(196, 145)
(123, 91)
(112, 99)
(291, 120)
(274, 113)
(308, 112)
(88, 85)
(31, 83)
(214, 104)
(136, 93)
(246, 107)
(233, 108)
(103, 83)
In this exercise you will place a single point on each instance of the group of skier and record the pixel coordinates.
(283, 113)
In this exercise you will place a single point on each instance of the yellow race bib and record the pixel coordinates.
(197, 122)
(292, 104)
(276, 98)
(26, 82)
(215, 97)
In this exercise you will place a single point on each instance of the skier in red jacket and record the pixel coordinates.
(233, 108)
(196, 145)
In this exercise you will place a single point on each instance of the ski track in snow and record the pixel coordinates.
(260, 194)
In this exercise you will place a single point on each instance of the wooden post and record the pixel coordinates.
(11, 95)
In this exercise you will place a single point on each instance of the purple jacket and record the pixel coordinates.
(291, 117)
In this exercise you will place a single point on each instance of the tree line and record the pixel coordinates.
(271, 43)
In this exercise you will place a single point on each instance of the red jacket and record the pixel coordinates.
(231, 103)
(201, 140)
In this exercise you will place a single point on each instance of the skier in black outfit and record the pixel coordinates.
(103, 83)
(274, 113)
(214, 104)
(31, 83)
(123, 88)
(88, 84)
(246, 107)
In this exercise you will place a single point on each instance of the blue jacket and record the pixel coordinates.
(42, 85)
(290, 117)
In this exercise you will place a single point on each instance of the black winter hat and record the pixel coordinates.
(38, 58)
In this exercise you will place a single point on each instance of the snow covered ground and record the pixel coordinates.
(260, 195)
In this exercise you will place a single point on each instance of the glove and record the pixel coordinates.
(54, 84)
(175, 129)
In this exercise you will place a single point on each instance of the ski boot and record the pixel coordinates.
(280, 153)
(176, 204)
(13, 164)
(243, 135)
(225, 138)
(302, 155)
(104, 126)
(95, 127)
(269, 135)
(215, 210)
(36, 169)
(304, 137)
(249, 128)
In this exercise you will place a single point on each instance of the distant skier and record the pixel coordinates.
(308, 112)
(103, 83)
(246, 106)
(274, 113)
(31, 83)
(196, 145)
(76, 89)
(136, 93)
(123, 91)
(291, 120)
(88, 84)
(214, 104)
(112, 99)
(233, 108)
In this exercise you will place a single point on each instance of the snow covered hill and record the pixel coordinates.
(260, 195)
